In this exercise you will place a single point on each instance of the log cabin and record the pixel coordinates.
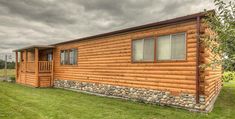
(156, 63)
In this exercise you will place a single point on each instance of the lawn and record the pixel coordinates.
(10, 72)
(22, 102)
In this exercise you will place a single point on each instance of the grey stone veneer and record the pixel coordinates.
(184, 100)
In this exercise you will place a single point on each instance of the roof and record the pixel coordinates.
(155, 24)
(34, 46)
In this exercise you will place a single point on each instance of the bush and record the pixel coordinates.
(13, 79)
(227, 76)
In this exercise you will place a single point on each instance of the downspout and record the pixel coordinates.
(198, 60)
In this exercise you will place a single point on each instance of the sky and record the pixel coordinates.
(43, 22)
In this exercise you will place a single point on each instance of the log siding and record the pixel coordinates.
(109, 60)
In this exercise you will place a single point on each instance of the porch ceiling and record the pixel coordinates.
(40, 47)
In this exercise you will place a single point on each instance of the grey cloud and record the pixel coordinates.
(37, 10)
(27, 22)
(115, 7)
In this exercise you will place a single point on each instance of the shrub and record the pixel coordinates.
(227, 76)
(12, 79)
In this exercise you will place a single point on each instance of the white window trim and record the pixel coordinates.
(142, 60)
(69, 63)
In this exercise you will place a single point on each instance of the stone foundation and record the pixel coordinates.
(183, 100)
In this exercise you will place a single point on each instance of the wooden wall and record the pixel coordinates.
(29, 78)
(108, 60)
(45, 80)
(211, 76)
(24, 77)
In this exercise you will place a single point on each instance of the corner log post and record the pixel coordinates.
(52, 68)
(198, 60)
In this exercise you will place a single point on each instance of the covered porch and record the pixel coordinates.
(34, 66)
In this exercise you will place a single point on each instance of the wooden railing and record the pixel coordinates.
(45, 66)
(30, 66)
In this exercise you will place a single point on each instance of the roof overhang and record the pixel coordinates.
(40, 47)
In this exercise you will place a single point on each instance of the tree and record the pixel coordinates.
(222, 21)
(2, 64)
(10, 65)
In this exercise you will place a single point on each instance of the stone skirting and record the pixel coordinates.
(183, 100)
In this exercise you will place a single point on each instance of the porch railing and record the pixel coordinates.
(45, 66)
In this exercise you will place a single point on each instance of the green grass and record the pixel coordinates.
(10, 72)
(230, 84)
(20, 102)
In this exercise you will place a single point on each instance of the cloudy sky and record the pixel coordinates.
(28, 22)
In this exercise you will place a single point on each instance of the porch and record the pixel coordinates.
(34, 66)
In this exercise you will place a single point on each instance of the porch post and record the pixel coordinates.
(21, 66)
(25, 66)
(36, 67)
(16, 65)
(25, 61)
(52, 69)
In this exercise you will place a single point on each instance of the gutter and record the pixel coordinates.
(198, 60)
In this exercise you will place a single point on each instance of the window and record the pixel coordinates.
(68, 57)
(167, 47)
(49, 57)
(73, 56)
(62, 57)
(164, 48)
(171, 47)
(143, 49)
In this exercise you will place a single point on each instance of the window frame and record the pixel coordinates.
(185, 59)
(68, 50)
(62, 51)
(49, 57)
(76, 56)
(145, 38)
(155, 48)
